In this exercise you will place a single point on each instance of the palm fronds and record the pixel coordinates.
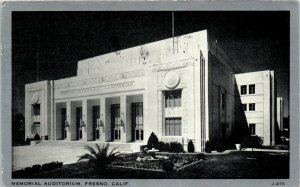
(99, 157)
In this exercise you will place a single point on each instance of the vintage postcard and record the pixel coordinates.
(113, 93)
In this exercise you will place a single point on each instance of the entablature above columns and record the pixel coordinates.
(79, 81)
(100, 96)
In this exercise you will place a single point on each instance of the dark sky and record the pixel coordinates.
(257, 40)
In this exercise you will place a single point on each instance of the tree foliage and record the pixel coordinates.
(252, 142)
(152, 141)
(191, 147)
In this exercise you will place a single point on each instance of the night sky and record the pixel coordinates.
(257, 40)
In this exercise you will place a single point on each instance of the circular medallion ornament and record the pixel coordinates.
(171, 79)
(35, 98)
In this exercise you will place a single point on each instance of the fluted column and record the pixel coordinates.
(84, 122)
(103, 133)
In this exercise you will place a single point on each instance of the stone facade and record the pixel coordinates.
(259, 100)
(175, 88)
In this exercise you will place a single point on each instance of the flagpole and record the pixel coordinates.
(37, 58)
(173, 31)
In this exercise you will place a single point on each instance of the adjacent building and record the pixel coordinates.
(176, 88)
(257, 92)
(280, 113)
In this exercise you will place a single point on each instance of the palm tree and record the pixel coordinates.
(99, 157)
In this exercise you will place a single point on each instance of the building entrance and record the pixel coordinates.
(63, 123)
(96, 120)
(137, 130)
(115, 122)
(78, 122)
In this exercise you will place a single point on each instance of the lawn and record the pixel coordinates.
(234, 165)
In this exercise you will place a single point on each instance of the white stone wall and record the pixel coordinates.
(38, 93)
(264, 98)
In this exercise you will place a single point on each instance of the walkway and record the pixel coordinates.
(66, 152)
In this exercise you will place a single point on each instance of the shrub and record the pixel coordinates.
(99, 158)
(37, 137)
(28, 140)
(59, 164)
(219, 146)
(191, 147)
(252, 142)
(208, 147)
(176, 147)
(51, 166)
(29, 171)
(164, 147)
(36, 168)
(168, 166)
(152, 141)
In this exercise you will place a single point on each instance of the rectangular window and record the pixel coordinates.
(243, 90)
(252, 128)
(244, 107)
(35, 128)
(173, 98)
(173, 127)
(252, 89)
(115, 112)
(36, 109)
(252, 107)
(137, 115)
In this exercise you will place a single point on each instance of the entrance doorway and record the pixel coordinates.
(96, 117)
(115, 122)
(78, 121)
(63, 125)
(137, 130)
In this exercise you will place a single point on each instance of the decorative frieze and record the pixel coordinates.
(102, 79)
(172, 65)
(94, 89)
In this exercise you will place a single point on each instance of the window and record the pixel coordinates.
(115, 112)
(137, 114)
(244, 107)
(173, 98)
(252, 107)
(35, 128)
(243, 90)
(252, 89)
(173, 127)
(96, 117)
(36, 109)
(223, 100)
(252, 128)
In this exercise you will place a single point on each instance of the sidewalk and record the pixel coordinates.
(248, 149)
(268, 150)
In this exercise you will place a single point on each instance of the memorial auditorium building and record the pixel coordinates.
(182, 88)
